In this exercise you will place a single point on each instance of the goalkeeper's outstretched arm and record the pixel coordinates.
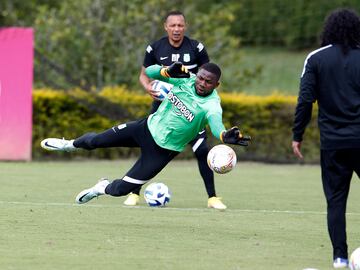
(229, 136)
(153, 72)
(175, 70)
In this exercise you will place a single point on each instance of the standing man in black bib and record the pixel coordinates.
(165, 51)
(331, 77)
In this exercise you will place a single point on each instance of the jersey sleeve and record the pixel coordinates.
(307, 96)
(214, 118)
(153, 72)
(216, 125)
(149, 58)
(201, 54)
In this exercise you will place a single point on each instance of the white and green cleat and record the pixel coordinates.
(54, 144)
(93, 192)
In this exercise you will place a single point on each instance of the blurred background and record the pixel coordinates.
(93, 45)
(260, 44)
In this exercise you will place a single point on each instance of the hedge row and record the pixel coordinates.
(70, 114)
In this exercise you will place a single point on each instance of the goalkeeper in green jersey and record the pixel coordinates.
(192, 104)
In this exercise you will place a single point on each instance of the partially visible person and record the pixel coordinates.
(192, 104)
(331, 76)
(175, 46)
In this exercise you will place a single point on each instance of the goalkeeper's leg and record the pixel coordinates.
(201, 149)
(124, 135)
(134, 197)
(143, 170)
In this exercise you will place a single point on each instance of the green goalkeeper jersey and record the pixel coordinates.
(183, 113)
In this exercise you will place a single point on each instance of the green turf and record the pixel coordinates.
(275, 220)
(281, 69)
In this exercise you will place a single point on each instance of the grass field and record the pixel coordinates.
(275, 219)
(281, 69)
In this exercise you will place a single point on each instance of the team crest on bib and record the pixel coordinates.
(186, 57)
(175, 57)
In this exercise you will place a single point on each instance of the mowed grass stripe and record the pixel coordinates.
(275, 219)
(169, 208)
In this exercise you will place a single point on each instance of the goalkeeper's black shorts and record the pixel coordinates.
(153, 158)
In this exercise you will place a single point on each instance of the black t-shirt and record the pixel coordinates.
(191, 53)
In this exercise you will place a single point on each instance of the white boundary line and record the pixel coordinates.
(268, 211)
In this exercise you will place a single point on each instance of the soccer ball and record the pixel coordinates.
(221, 159)
(354, 262)
(162, 88)
(157, 194)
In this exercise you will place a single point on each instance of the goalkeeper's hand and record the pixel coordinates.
(175, 70)
(234, 136)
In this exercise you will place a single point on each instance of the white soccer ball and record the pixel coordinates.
(354, 262)
(157, 194)
(162, 88)
(221, 159)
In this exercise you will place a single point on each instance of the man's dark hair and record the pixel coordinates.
(342, 27)
(213, 68)
(174, 12)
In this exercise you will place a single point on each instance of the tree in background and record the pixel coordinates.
(94, 43)
(293, 24)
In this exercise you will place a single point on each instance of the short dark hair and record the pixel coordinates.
(174, 12)
(342, 27)
(213, 68)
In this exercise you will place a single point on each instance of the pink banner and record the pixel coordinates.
(16, 77)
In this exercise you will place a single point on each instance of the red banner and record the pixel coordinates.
(16, 77)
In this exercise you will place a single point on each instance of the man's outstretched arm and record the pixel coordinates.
(175, 70)
(229, 136)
